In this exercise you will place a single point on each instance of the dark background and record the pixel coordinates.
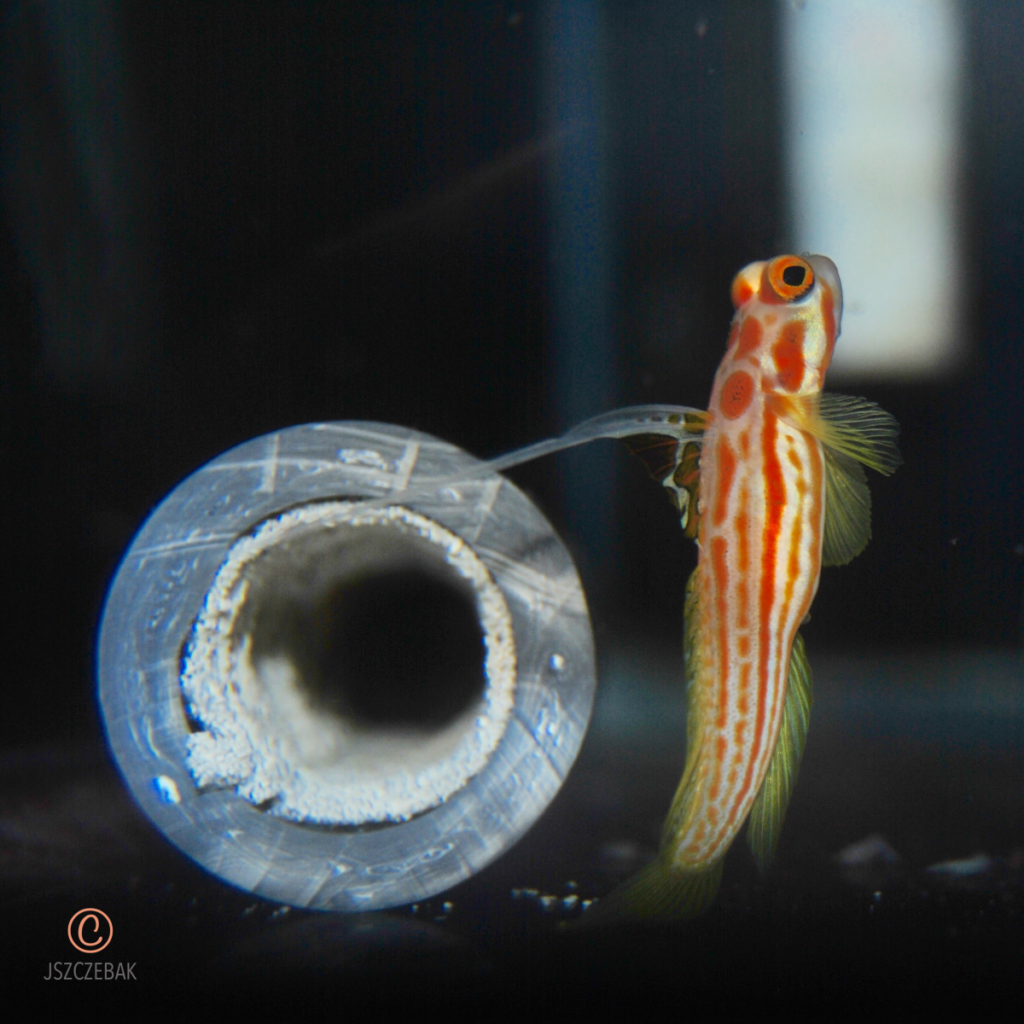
(229, 218)
(224, 218)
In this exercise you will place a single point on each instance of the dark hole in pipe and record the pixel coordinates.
(401, 648)
(380, 630)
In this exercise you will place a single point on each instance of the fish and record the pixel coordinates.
(770, 484)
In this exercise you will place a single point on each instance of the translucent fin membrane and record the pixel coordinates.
(766, 816)
(671, 420)
(853, 426)
(847, 509)
(659, 892)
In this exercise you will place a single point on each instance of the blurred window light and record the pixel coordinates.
(872, 118)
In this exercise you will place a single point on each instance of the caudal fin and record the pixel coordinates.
(660, 892)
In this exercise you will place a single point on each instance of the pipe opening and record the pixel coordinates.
(243, 709)
(347, 667)
(397, 645)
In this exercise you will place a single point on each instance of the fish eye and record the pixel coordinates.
(790, 277)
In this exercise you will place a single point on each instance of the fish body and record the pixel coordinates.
(762, 487)
(780, 492)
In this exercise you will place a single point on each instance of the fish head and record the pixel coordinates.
(788, 313)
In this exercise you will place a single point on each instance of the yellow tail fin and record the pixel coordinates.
(660, 892)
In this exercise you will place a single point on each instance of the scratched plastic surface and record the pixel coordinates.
(160, 588)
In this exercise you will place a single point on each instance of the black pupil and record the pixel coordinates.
(794, 276)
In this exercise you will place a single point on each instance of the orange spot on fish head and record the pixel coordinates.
(737, 392)
(788, 355)
(751, 333)
(802, 350)
(741, 292)
(828, 315)
(828, 323)
(745, 284)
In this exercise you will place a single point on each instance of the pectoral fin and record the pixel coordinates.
(847, 509)
(769, 810)
(851, 426)
(851, 431)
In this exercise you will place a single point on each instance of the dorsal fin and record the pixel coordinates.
(677, 422)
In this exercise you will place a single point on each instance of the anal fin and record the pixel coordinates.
(664, 891)
(769, 810)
